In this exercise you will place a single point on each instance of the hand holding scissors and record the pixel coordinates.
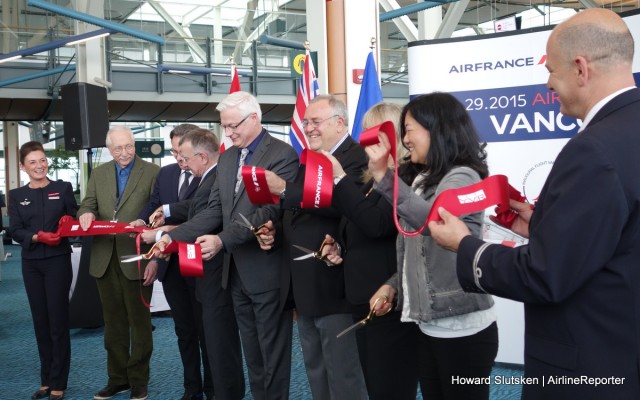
(244, 221)
(372, 313)
(266, 235)
(158, 247)
(322, 254)
(157, 218)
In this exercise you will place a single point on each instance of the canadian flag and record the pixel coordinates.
(235, 87)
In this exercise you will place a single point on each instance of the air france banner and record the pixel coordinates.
(501, 80)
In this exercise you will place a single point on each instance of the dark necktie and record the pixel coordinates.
(182, 193)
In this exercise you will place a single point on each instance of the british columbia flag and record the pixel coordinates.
(306, 92)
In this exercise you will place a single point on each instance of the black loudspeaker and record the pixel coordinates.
(85, 115)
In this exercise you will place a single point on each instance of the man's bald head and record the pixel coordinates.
(597, 34)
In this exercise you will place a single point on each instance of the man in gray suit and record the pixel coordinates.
(117, 191)
(252, 275)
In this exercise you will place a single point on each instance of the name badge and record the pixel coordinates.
(54, 196)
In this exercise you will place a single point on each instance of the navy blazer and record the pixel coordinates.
(165, 191)
(33, 210)
(579, 276)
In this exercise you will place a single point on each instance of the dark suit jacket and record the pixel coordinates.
(190, 208)
(165, 191)
(100, 200)
(259, 270)
(579, 276)
(33, 210)
(368, 236)
(317, 289)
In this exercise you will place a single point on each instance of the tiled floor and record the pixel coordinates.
(18, 354)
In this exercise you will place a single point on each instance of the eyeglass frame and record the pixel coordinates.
(233, 127)
(306, 122)
(118, 150)
(186, 159)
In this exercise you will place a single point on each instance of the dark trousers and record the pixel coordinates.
(187, 318)
(47, 282)
(387, 350)
(221, 334)
(127, 326)
(441, 360)
(266, 333)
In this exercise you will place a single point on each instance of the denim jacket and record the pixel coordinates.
(430, 269)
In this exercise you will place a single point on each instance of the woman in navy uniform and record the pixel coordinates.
(34, 211)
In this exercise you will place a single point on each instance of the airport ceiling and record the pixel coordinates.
(132, 13)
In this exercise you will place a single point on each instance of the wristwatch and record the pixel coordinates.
(338, 178)
(282, 192)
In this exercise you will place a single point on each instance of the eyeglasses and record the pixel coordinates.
(316, 122)
(174, 153)
(186, 159)
(233, 127)
(118, 150)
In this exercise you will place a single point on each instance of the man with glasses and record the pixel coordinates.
(332, 364)
(251, 275)
(117, 191)
(176, 182)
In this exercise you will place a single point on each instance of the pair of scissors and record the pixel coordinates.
(247, 224)
(137, 257)
(366, 319)
(315, 254)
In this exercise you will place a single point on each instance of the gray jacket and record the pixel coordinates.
(430, 269)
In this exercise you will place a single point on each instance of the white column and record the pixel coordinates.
(90, 56)
(218, 56)
(11, 150)
(317, 37)
(429, 21)
(361, 24)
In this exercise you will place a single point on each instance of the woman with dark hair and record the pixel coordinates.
(459, 335)
(34, 212)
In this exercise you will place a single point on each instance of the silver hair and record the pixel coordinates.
(245, 102)
(118, 128)
(337, 105)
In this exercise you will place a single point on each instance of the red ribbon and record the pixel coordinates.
(255, 184)
(190, 266)
(189, 257)
(494, 190)
(318, 180)
(70, 227)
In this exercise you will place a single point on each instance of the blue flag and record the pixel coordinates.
(370, 94)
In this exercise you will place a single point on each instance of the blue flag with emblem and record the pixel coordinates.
(370, 94)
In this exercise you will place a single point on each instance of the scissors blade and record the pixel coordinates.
(245, 221)
(310, 253)
(131, 258)
(349, 329)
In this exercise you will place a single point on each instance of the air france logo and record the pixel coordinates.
(496, 65)
(472, 197)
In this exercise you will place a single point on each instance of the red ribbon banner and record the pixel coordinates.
(70, 227)
(190, 257)
(318, 180)
(255, 183)
(494, 190)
